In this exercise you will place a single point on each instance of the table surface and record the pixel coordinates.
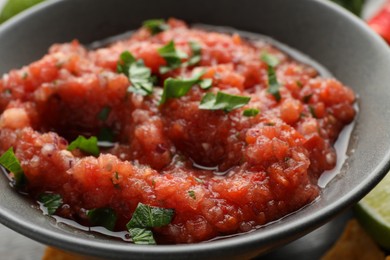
(312, 246)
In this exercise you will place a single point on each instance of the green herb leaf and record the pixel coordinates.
(125, 60)
(86, 145)
(146, 216)
(13, 7)
(172, 57)
(104, 113)
(355, 6)
(251, 112)
(196, 53)
(106, 135)
(142, 236)
(223, 101)
(9, 161)
(156, 26)
(139, 75)
(206, 83)
(273, 84)
(175, 88)
(312, 111)
(104, 217)
(270, 59)
(191, 193)
(51, 202)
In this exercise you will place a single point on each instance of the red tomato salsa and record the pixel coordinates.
(222, 168)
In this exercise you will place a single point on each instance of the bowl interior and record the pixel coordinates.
(329, 35)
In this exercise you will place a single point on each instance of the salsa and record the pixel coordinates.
(175, 134)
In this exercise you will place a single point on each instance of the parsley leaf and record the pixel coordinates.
(9, 161)
(172, 57)
(273, 84)
(156, 26)
(139, 75)
(144, 218)
(222, 101)
(251, 112)
(104, 217)
(51, 202)
(175, 88)
(270, 59)
(86, 145)
(142, 236)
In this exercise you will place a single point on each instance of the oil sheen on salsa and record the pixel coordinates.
(228, 133)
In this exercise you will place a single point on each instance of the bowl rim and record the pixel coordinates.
(99, 248)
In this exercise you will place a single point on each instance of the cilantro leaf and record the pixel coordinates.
(156, 26)
(146, 216)
(142, 236)
(175, 88)
(273, 84)
(139, 75)
(355, 6)
(222, 101)
(196, 53)
(104, 113)
(104, 217)
(9, 161)
(270, 59)
(251, 112)
(172, 57)
(192, 194)
(51, 202)
(86, 145)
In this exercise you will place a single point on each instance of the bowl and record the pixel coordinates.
(331, 36)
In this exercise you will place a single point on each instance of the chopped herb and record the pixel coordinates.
(86, 145)
(312, 111)
(7, 91)
(191, 193)
(104, 217)
(273, 84)
(144, 218)
(25, 75)
(307, 98)
(269, 124)
(106, 135)
(172, 57)
(142, 236)
(139, 75)
(222, 101)
(199, 180)
(156, 26)
(51, 202)
(9, 161)
(125, 60)
(117, 175)
(175, 88)
(299, 83)
(206, 83)
(269, 59)
(104, 113)
(251, 112)
(355, 6)
(196, 53)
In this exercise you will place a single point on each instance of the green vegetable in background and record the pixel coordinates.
(13, 7)
(355, 6)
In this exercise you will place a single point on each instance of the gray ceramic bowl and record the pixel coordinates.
(330, 35)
